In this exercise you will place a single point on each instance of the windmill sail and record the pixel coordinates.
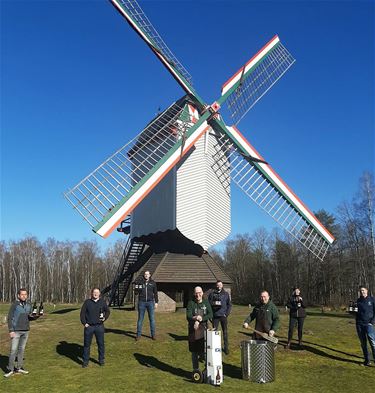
(138, 20)
(106, 196)
(261, 184)
(245, 88)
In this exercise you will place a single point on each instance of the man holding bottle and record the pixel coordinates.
(221, 306)
(365, 323)
(147, 300)
(198, 313)
(297, 315)
(94, 312)
(19, 316)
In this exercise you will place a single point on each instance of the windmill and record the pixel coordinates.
(169, 187)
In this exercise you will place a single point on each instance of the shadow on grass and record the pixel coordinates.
(64, 311)
(313, 348)
(333, 350)
(126, 308)
(317, 351)
(124, 332)
(152, 362)
(3, 362)
(232, 371)
(176, 337)
(72, 351)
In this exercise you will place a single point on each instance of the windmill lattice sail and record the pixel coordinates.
(111, 191)
(114, 190)
(134, 14)
(252, 81)
(261, 184)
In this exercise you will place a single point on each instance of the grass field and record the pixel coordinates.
(330, 362)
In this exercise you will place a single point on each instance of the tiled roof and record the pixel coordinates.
(171, 268)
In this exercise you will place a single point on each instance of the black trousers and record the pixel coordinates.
(89, 332)
(292, 322)
(224, 327)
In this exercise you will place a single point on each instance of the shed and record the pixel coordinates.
(176, 275)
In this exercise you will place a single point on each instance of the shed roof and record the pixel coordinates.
(179, 268)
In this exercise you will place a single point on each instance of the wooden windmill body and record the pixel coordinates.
(191, 198)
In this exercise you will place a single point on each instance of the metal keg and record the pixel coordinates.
(258, 361)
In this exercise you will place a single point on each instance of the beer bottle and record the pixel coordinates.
(218, 378)
(101, 314)
(41, 309)
(35, 309)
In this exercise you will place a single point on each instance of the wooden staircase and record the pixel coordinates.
(135, 255)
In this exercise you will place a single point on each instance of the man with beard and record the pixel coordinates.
(221, 307)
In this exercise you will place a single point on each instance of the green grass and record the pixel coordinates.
(330, 362)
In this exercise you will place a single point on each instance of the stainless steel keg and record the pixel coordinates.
(258, 361)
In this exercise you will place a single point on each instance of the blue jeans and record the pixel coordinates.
(142, 307)
(98, 331)
(17, 349)
(366, 332)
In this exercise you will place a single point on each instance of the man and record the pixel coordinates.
(221, 306)
(19, 317)
(297, 315)
(94, 312)
(198, 312)
(147, 300)
(266, 316)
(365, 322)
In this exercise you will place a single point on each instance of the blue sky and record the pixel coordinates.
(77, 83)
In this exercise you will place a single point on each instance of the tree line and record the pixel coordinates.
(55, 271)
(272, 261)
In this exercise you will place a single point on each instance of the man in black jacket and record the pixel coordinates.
(297, 315)
(94, 312)
(221, 305)
(147, 300)
(19, 326)
(365, 323)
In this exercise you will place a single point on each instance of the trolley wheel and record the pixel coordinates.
(197, 376)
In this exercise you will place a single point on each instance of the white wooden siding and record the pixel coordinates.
(203, 204)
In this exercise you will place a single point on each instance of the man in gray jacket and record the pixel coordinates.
(18, 324)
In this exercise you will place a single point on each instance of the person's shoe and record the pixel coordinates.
(287, 346)
(9, 373)
(85, 365)
(101, 364)
(367, 363)
(226, 351)
(137, 338)
(153, 338)
(21, 371)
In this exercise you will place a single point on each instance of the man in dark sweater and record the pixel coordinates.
(221, 307)
(94, 312)
(266, 316)
(365, 323)
(19, 326)
(147, 300)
